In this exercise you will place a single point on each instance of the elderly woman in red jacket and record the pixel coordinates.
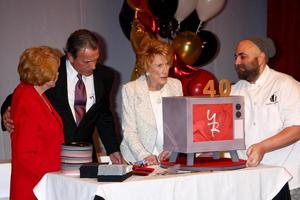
(38, 130)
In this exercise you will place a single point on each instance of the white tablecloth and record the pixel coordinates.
(262, 182)
(5, 168)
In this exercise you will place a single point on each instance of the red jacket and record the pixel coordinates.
(36, 141)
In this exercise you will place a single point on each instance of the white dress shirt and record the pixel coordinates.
(272, 104)
(89, 87)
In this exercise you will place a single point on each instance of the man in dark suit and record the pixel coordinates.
(82, 55)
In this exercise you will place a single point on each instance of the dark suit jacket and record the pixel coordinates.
(99, 115)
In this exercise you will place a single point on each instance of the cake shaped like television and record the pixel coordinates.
(203, 124)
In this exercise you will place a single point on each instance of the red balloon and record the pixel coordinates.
(193, 79)
(148, 20)
(185, 82)
(138, 5)
(182, 72)
(195, 86)
(180, 69)
(192, 68)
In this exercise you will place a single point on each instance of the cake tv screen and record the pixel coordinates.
(212, 122)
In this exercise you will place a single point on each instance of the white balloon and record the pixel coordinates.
(184, 9)
(207, 9)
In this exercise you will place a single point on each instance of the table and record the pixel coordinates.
(262, 182)
(5, 168)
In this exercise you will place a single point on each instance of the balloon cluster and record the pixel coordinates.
(179, 22)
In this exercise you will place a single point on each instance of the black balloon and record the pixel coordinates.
(190, 23)
(163, 8)
(125, 19)
(210, 48)
(167, 27)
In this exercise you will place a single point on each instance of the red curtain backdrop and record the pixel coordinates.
(283, 26)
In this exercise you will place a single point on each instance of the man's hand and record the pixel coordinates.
(255, 154)
(7, 120)
(116, 158)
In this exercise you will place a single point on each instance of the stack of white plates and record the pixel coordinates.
(73, 155)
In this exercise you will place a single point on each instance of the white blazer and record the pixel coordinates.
(138, 120)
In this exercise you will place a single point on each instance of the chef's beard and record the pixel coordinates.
(248, 72)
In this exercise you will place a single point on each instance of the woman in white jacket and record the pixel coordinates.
(142, 122)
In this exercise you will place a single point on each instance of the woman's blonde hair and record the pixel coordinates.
(149, 48)
(38, 65)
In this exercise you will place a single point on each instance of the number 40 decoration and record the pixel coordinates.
(224, 88)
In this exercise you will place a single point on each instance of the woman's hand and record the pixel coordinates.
(164, 155)
(151, 160)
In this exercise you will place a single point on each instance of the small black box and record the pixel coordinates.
(89, 170)
(113, 178)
